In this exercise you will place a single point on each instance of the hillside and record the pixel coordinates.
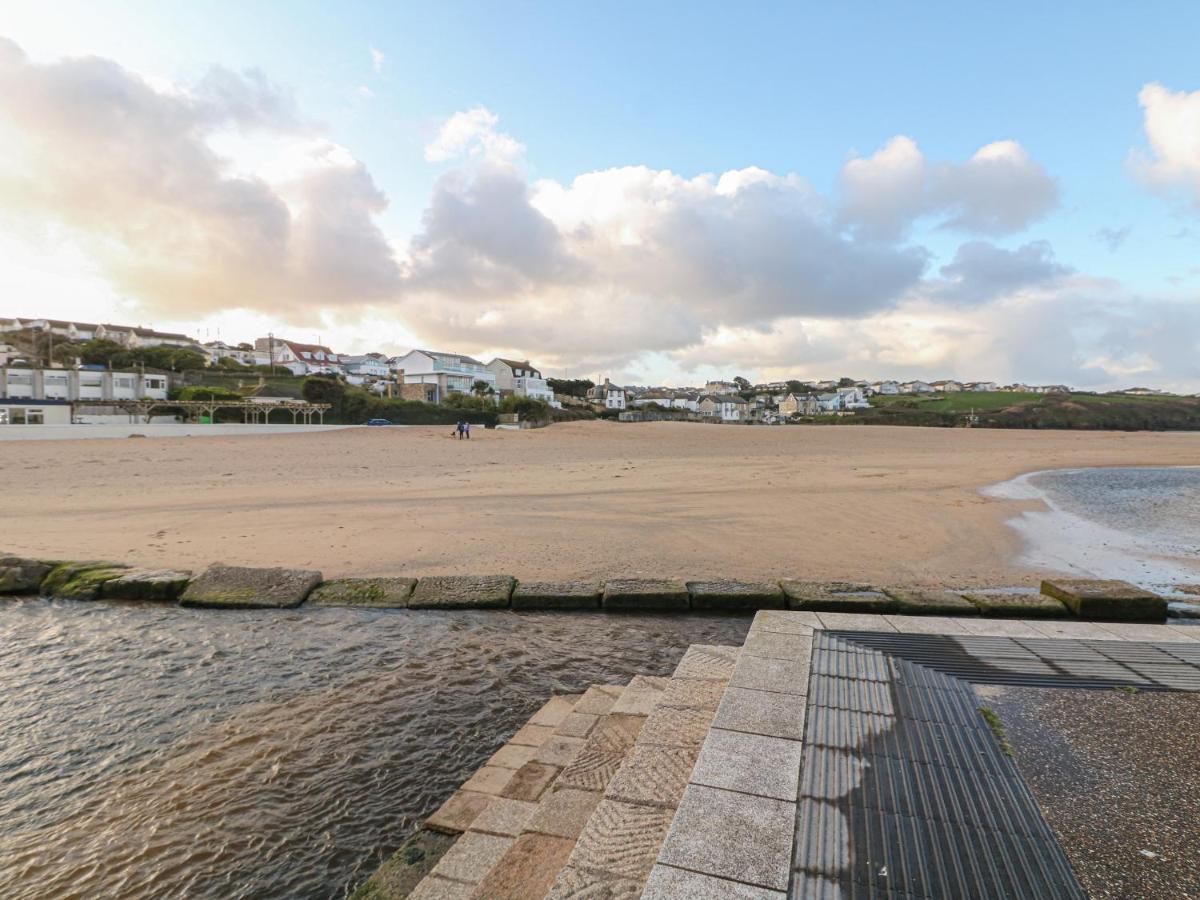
(999, 409)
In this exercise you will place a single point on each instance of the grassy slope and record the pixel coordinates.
(1020, 410)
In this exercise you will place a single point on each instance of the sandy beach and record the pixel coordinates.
(586, 499)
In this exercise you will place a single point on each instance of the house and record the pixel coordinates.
(916, 387)
(128, 336)
(35, 412)
(668, 399)
(885, 387)
(366, 367)
(82, 384)
(299, 359)
(980, 386)
(219, 350)
(724, 407)
(608, 396)
(522, 379)
(799, 405)
(830, 403)
(853, 398)
(721, 387)
(948, 387)
(451, 373)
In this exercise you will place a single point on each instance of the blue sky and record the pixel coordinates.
(707, 88)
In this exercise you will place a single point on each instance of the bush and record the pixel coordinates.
(526, 408)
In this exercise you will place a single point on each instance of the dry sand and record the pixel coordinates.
(586, 499)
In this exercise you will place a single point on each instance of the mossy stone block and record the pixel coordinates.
(557, 595)
(242, 587)
(404, 869)
(735, 596)
(377, 593)
(836, 596)
(931, 602)
(80, 581)
(22, 576)
(463, 592)
(147, 584)
(1016, 606)
(646, 595)
(1112, 601)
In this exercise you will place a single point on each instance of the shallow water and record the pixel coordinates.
(158, 751)
(1139, 524)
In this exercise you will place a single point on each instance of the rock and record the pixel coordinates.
(931, 602)
(557, 595)
(146, 584)
(735, 596)
(1016, 605)
(836, 596)
(241, 587)
(22, 576)
(1114, 601)
(80, 581)
(401, 872)
(462, 592)
(646, 595)
(380, 593)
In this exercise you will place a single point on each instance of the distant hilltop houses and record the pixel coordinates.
(55, 362)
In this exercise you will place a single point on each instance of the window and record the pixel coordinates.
(16, 416)
(35, 417)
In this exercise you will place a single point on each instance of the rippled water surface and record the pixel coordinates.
(163, 752)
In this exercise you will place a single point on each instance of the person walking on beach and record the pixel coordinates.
(467, 429)
(461, 427)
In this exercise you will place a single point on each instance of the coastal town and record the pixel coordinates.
(55, 372)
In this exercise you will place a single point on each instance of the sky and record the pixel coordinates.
(662, 193)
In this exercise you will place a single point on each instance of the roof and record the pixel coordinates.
(438, 354)
(89, 326)
(516, 364)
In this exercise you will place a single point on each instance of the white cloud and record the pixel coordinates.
(377, 60)
(981, 272)
(473, 132)
(1172, 126)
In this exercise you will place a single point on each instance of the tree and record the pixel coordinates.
(482, 389)
(572, 387)
(845, 382)
(742, 383)
(323, 389)
(796, 387)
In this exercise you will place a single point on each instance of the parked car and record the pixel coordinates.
(379, 422)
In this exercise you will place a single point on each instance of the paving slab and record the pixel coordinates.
(559, 750)
(435, 888)
(762, 712)
(530, 781)
(1001, 628)
(471, 857)
(578, 725)
(1128, 631)
(785, 676)
(504, 817)
(1065, 628)
(926, 624)
(371, 593)
(1018, 606)
(777, 646)
(580, 884)
(159, 585)
(837, 596)
(462, 592)
(1117, 601)
(488, 780)
(789, 622)
(642, 694)
(854, 622)
(557, 595)
(554, 710)
(707, 662)
(671, 727)
(749, 763)
(653, 775)
(243, 587)
(930, 602)
(598, 700)
(532, 735)
(601, 754)
(734, 836)
(669, 883)
(735, 596)
(22, 576)
(622, 839)
(692, 693)
(527, 869)
(646, 595)
(512, 756)
(564, 812)
(456, 814)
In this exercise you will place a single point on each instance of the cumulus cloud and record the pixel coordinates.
(981, 271)
(999, 190)
(1112, 238)
(473, 132)
(129, 168)
(1172, 125)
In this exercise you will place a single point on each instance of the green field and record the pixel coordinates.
(962, 402)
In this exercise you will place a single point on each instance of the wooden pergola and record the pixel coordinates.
(252, 413)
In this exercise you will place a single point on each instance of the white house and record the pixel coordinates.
(21, 383)
(608, 395)
(831, 402)
(219, 350)
(853, 398)
(129, 336)
(668, 399)
(885, 387)
(521, 378)
(297, 358)
(980, 386)
(726, 407)
(451, 373)
(365, 367)
(916, 387)
(948, 387)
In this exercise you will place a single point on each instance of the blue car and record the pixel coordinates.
(379, 422)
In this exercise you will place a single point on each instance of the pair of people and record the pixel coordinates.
(464, 430)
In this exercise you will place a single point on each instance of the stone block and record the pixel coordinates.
(462, 592)
(707, 662)
(404, 869)
(532, 735)
(374, 593)
(622, 839)
(557, 595)
(1014, 605)
(730, 835)
(581, 884)
(646, 595)
(554, 710)
(671, 727)
(735, 596)
(930, 602)
(559, 750)
(641, 695)
(749, 763)
(598, 699)
(488, 780)
(578, 725)
(563, 813)
(669, 883)
(784, 676)
(511, 756)
(789, 622)
(602, 753)
(778, 646)
(530, 781)
(692, 693)
(653, 775)
(435, 888)
(147, 584)
(527, 869)
(241, 587)
(837, 596)
(80, 581)
(22, 576)
(1111, 601)
(762, 712)
(456, 814)
(504, 817)
(471, 857)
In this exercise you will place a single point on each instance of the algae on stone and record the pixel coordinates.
(377, 593)
(404, 869)
(241, 587)
(1113, 601)
(1016, 605)
(930, 602)
(22, 576)
(463, 592)
(147, 584)
(80, 581)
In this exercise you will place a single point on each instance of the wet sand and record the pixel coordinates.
(585, 499)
